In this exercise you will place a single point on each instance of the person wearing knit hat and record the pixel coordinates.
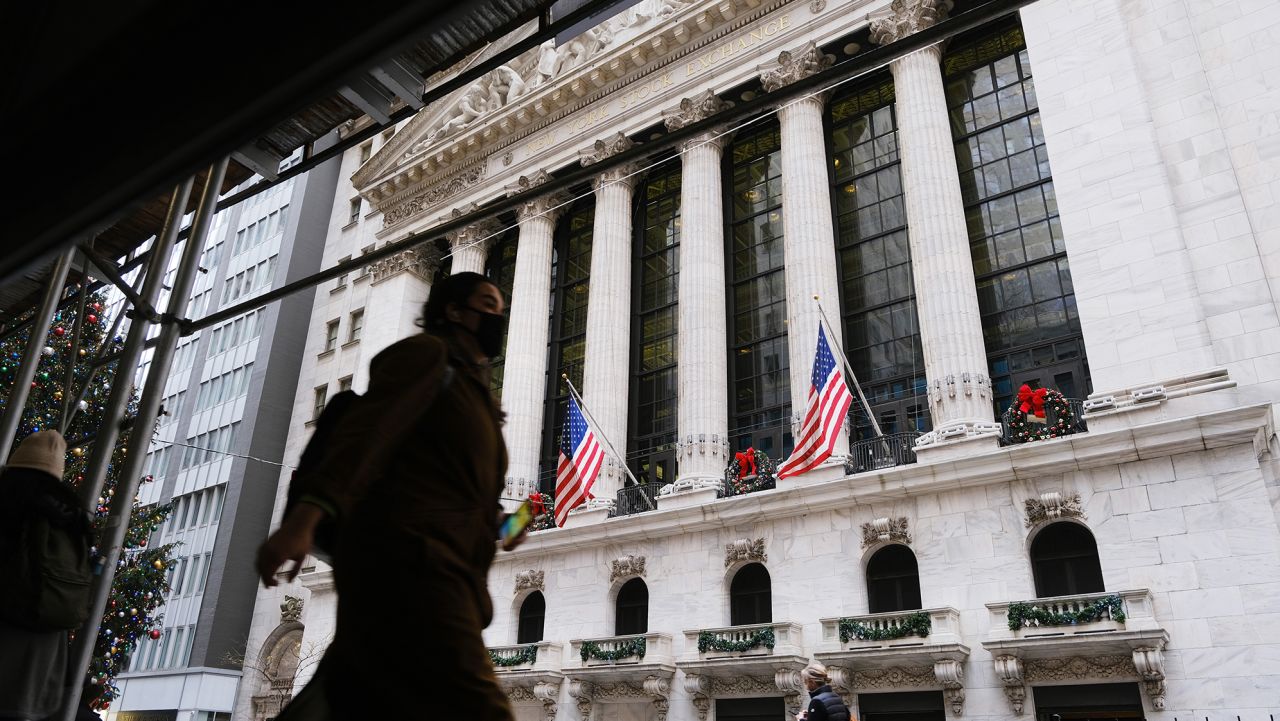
(44, 542)
(824, 704)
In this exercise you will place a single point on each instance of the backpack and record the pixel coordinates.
(328, 532)
(44, 558)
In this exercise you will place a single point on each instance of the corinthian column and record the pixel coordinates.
(955, 358)
(470, 244)
(808, 233)
(606, 371)
(702, 421)
(525, 374)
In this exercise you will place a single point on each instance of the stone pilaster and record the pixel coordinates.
(808, 231)
(702, 423)
(470, 244)
(525, 373)
(955, 358)
(606, 373)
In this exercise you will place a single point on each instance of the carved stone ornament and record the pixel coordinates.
(603, 149)
(548, 693)
(694, 110)
(817, 6)
(1010, 673)
(882, 530)
(744, 549)
(1148, 661)
(550, 206)
(1051, 506)
(434, 195)
(531, 580)
(743, 686)
(907, 17)
(699, 689)
(421, 260)
(798, 65)
(291, 609)
(626, 566)
(1078, 668)
(483, 232)
(897, 677)
(950, 673)
(519, 694)
(581, 692)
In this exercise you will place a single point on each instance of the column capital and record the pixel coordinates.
(907, 17)
(796, 65)
(482, 232)
(694, 110)
(549, 206)
(607, 148)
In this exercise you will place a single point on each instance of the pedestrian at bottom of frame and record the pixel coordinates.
(44, 564)
(401, 486)
(824, 704)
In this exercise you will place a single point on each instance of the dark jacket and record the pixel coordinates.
(826, 705)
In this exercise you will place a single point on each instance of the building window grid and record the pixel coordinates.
(654, 386)
(331, 335)
(356, 326)
(878, 310)
(1025, 294)
(501, 268)
(760, 407)
(570, 288)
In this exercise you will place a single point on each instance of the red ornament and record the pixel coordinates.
(91, 318)
(59, 331)
(154, 634)
(97, 307)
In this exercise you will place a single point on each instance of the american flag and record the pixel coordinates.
(829, 401)
(580, 459)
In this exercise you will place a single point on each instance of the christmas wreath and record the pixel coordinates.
(1028, 420)
(749, 471)
(543, 512)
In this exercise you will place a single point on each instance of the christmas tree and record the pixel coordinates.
(140, 583)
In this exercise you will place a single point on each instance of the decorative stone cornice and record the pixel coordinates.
(291, 609)
(1052, 506)
(907, 17)
(881, 530)
(626, 566)
(604, 149)
(433, 195)
(482, 232)
(797, 65)
(422, 261)
(744, 549)
(549, 206)
(694, 110)
(895, 677)
(531, 580)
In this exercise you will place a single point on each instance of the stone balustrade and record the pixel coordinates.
(1082, 614)
(895, 629)
(765, 639)
(646, 648)
(540, 656)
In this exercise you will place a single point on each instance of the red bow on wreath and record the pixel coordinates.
(746, 462)
(1029, 400)
(535, 502)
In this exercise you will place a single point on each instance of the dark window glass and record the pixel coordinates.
(532, 614)
(750, 596)
(653, 393)
(633, 608)
(1025, 293)
(501, 268)
(1064, 559)
(893, 580)
(760, 406)
(881, 334)
(570, 288)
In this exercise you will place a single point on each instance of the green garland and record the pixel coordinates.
(1024, 614)
(528, 654)
(1022, 430)
(917, 624)
(707, 641)
(765, 479)
(631, 647)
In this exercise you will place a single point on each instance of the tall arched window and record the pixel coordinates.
(751, 596)
(1064, 560)
(632, 608)
(532, 613)
(893, 580)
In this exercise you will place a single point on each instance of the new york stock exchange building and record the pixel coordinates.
(1081, 197)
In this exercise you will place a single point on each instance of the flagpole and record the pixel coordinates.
(608, 443)
(848, 368)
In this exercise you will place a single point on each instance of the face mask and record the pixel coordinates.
(490, 332)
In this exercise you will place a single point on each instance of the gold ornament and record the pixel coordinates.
(159, 565)
(77, 451)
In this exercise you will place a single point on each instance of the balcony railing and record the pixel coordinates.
(643, 648)
(1083, 614)
(637, 499)
(895, 629)
(887, 451)
(765, 639)
(1076, 424)
(543, 655)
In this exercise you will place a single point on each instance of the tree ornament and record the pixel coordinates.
(47, 351)
(83, 405)
(78, 452)
(97, 307)
(154, 634)
(158, 564)
(91, 318)
(59, 331)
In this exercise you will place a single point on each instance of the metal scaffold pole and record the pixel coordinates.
(96, 470)
(17, 399)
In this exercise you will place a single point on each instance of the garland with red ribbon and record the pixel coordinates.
(1038, 414)
(543, 507)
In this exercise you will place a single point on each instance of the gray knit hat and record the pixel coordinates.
(44, 451)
